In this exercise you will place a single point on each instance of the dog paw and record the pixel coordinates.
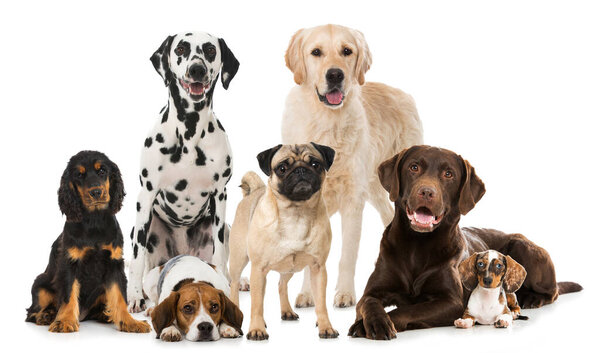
(357, 329)
(328, 332)
(257, 335)
(227, 331)
(304, 300)
(148, 312)
(289, 316)
(134, 326)
(64, 326)
(170, 334)
(136, 305)
(244, 284)
(463, 323)
(502, 323)
(344, 300)
(379, 328)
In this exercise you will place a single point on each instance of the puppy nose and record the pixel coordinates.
(197, 72)
(334, 76)
(300, 170)
(426, 193)
(205, 327)
(487, 281)
(96, 193)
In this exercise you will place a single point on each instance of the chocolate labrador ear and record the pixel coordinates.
(265, 158)
(514, 276)
(231, 314)
(472, 189)
(466, 269)
(327, 152)
(164, 313)
(230, 64)
(389, 177)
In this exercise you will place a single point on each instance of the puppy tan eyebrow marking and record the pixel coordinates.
(81, 169)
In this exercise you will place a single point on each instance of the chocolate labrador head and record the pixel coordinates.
(430, 186)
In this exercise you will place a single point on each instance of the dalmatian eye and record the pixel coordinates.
(187, 309)
(316, 52)
(214, 308)
(179, 50)
(347, 51)
(211, 51)
(414, 167)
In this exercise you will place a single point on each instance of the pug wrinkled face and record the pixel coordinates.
(297, 171)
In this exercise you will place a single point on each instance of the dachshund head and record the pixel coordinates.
(90, 183)
(491, 269)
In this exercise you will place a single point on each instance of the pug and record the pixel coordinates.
(283, 226)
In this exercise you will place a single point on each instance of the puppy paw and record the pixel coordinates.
(64, 326)
(170, 334)
(136, 305)
(227, 331)
(328, 332)
(502, 323)
(257, 335)
(244, 284)
(463, 323)
(134, 326)
(304, 300)
(289, 316)
(344, 300)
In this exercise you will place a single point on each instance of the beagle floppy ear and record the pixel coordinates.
(363, 62)
(265, 158)
(163, 314)
(230, 64)
(231, 314)
(466, 269)
(514, 276)
(389, 177)
(327, 152)
(294, 58)
(472, 189)
(160, 60)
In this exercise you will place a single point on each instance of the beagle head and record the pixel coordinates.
(197, 309)
(490, 269)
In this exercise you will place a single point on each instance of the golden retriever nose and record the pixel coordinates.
(334, 76)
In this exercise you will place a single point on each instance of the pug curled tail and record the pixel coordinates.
(250, 183)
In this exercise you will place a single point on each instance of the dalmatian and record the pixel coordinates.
(185, 163)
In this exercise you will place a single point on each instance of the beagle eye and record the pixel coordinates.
(480, 264)
(179, 50)
(448, 174)
(214, 308)
(281, 169)
(347, 51)
(316, 52)
(414, 167)
(188, 309)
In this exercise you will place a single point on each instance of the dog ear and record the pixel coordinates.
(472, 189)
(514, 276)
(389, 176)
(231, 314)
(294, 58)
(160, 60)
(163, 314)
(265, 158)
(466, 269)
(69, 201)
(230, 64)
(327, 152)
(363, 62)
(117, 189)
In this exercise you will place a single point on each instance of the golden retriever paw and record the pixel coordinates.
(344, 300)
(304, 300)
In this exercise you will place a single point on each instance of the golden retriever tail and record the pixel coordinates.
(251, 182)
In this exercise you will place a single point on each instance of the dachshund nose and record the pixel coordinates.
(334, 76)
(300, 170)
(487, 281)
(426, 193)
(197, 72)
(205, 328)
(96, 193)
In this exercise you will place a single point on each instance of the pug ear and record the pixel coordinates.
(327, 152)
(265, 158)
(389, 176)
(466, 269)
(514, 276)
(472, 189)
(160, 60)
(363, 62)
(294, 59)
(230, 64)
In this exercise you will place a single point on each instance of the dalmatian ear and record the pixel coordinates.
(230, 64)
(160, 59)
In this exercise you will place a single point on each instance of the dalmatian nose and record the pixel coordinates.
(197, 72)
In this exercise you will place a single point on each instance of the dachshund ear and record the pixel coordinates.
(327, 152)
(363, 62)
(68, 198)
(514, 276)
(472, 189)
(117, 189)
(466, 269)
(160, 60)
(265, 158)
(231, 314)
(230, 64)
(389, 176)
(163, 314)
(294, 58)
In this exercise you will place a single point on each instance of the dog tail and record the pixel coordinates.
(568, 287)
(250, 182)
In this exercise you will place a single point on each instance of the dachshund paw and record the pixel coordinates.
(463, 323)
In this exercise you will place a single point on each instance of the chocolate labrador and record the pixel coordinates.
(417, 268)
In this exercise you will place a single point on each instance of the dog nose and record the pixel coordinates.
(300, 170)
(205, 328)
(334, 76)
(197, 72)
(487, 281)
(96, 193)
(426, 193)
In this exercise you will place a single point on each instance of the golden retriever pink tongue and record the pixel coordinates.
(334, 97)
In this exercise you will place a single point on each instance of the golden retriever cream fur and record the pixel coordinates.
(364, 122)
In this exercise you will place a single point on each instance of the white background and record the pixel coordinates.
(511, 86)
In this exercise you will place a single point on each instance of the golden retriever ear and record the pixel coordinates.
(472, 190)
(389, 176)
(363, 62)
(231, 314)
(163, 314)
(515, 275)
(294, 58)
(466, 269)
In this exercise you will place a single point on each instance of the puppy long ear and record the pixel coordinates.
(466, 269)
(230, 64)
(160, 60)
(294, 58)
(515, 275)
(231, 314)
(363, 62)
(69, 201)
(265, 158)
(327, 152)
(117, 189)
(472, 189)
(163, 314)
(389, 176)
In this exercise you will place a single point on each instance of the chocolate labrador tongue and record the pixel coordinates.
(334, 97)
(424, 216)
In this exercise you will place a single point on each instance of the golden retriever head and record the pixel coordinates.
(330, 59)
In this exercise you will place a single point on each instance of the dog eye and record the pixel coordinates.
(498, 266)
(214, 308)
(101, 171)
(316, 52)
(315, 164)
(187, 309)
(179, 50)
(448, 174)
(347, 51)
(480, 264)
(211, 51)
(282, 168)
(414, 167)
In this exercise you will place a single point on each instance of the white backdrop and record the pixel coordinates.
(512, 86)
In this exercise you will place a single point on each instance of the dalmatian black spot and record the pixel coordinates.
(222, 234)
(152, 242)
(221, 196)
(149, 186)
(172, 198)
(178, 205)
(159, 138)
(135, 251)
(148, 142)
(181, 185)
(228, 160)
(189, 34)
(202, 134)
(227, 172)
(199, 106)
(198, 50)
(165, 116)
(141, 237)
(201, 159)
(191, 120)
(131, 234)
(220, 126)
(216, 177)
(138, 206)
(141, 182)
(211, 127)
(159, 168)
(203, 194)
(145, 173)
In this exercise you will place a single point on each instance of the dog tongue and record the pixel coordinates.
(196, 88)
(334, 97)
(424, 216)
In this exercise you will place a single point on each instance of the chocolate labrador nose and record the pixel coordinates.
(426, 193)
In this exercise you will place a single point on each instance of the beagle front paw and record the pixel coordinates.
(227, 331)
(170, 334)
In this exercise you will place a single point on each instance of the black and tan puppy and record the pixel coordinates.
(84, 278)
(283, 227)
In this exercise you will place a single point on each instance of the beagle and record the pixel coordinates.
(192, 298)
(495, 278)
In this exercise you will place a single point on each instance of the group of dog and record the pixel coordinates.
(347, 142)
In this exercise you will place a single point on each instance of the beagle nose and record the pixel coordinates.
(197, 72)
(95, 193)
(426, 193)
(334, 76)
(487, 281)
(205, 328)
